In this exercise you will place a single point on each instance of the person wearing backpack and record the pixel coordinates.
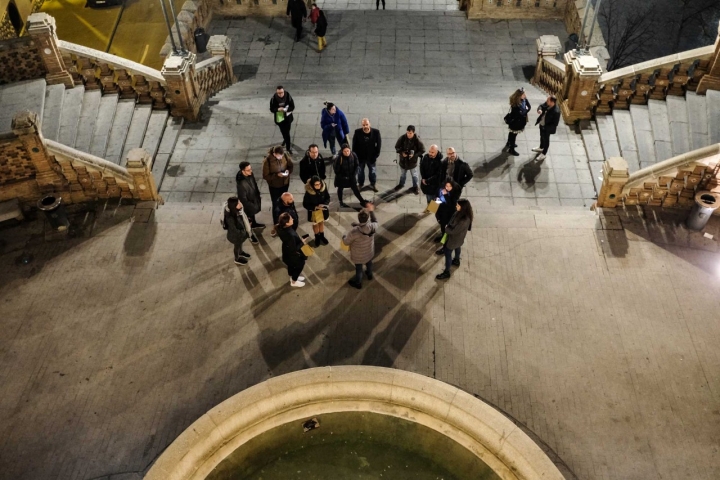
(238, 228)
(455, 231)
(361, 240)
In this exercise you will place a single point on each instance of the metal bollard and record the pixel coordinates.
(705, 204)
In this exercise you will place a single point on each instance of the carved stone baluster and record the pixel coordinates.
(158, 95)
(107, 79)
(124, 83)
(142, 89)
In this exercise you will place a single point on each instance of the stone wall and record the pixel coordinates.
(20, 60)
(516, 9)
(241, 8)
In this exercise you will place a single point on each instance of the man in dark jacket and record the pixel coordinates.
(297, 11)
(345, 165)
(286, 204)
(431, 172)
(456, 169)
(548, 121)
(410, 149)
(249, 195)
(366, 144)
(312, 164)
(282, 106)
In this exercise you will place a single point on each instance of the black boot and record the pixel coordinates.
(318, 240)
(513, 152)
(323, 239)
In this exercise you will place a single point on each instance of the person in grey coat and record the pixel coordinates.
(361, 239)
(456, 230)
(238, 228)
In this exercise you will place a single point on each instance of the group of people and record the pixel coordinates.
(516, 119)
(297, 11)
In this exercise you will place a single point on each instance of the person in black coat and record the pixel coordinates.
(317, 198)
(249, 195)
(345, 165)
(292, 254)
(366, 144)
(455, 168)
(517, 118)
(286, 204)
(431, 173)
(282, 107)
(321, 29)
(237, 229)
(297, 11)
(448, 194)
(410, 149)
(312, 164)
(548, 120)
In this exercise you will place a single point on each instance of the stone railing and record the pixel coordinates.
(216, 73)
(515, 9)
(550, 76)
(671, 183)
(23, 54)
(241, 8)
(99, 70)
(36, 166)
(193, 14)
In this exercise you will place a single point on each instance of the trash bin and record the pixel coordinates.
(705, 204)
(54, 211)
(201, 40)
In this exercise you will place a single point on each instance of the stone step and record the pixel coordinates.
(608, 136)
(121, 124)
(626, 139)
(154, 132)
(19, 96)
(88, 118)
(165, 149)
(713, 116)
(136, 132)
(54, 96)
(679, 130)
(643, 135)
(106, 115)
(70, 115)
(661, 129)
(698, 114)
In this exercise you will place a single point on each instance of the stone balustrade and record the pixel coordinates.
(23, 53)
(516, 9)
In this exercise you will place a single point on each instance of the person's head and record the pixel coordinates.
(551, 100)
(449, 184)
(287, 198)
(285, 220)
(278, 152)
(433, 151)
(280, 91)
(517, 97)
(245, 168)
(465, 209)
(316, 182)
(410, 131)
(313, 151)
(234, 204)
(330, 108)
(451, 155)
(365, 123)
(346, 149)
(314, 6)
(363, 216)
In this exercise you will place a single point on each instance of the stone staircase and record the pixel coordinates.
(648, 134)
(102, 125)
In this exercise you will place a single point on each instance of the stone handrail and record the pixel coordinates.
(63, 152)
(211, 76)
(551, 76)
(113, 74)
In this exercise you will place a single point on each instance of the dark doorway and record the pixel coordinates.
(15, 19)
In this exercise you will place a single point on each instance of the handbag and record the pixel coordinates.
(344, 246)
(432, 207)
(508, 117)
(307, 250)
(318, 216)
(443, 240)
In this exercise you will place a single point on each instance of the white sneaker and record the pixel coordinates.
(297, 284)
(541, 157)
(300, 278)
(538, 149)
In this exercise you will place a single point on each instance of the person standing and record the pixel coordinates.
(321, 25)
(238, 229)
(431, 173)
(516, 119)
(548, 122)
(448, 196)
(312, 164)
(292, 254)
(455, 168)
(377, 4)
(286, 204)
(277, 168)
(317, 198)
(282, 106)
(297, 11)
(334, 126)
(345, 165)
(361, 240)
(410, 149)
(248, 194)
(366, 144)
(456, 230)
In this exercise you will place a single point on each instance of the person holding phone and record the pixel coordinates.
(334, 126)
(317, 199)
(292, 254)
(448, 197)
(277, 167)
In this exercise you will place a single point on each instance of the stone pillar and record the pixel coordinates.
(711, 80)
(139, 166)
(41, 27)
(582, 73)
(25, 127)
(615, 177)
(547, 46)
(219, 46)
(182, 91)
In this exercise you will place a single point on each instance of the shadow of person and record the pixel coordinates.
(488, 167)
(529, 172)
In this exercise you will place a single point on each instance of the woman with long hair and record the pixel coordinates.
(516, 119)
(456, 229)
(292, 254)
(447, 195)
(317, 199)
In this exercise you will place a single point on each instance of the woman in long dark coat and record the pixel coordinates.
(519, 108)
(448, 195)
(292, 255)
(457, 228)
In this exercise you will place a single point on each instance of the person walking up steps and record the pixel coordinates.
(456, 230)
(548, 122)
(282, 106)
(297, 11)
(361, 240)
(317, 199)
(516, 119)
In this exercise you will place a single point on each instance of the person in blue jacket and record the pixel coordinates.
(334, 126)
